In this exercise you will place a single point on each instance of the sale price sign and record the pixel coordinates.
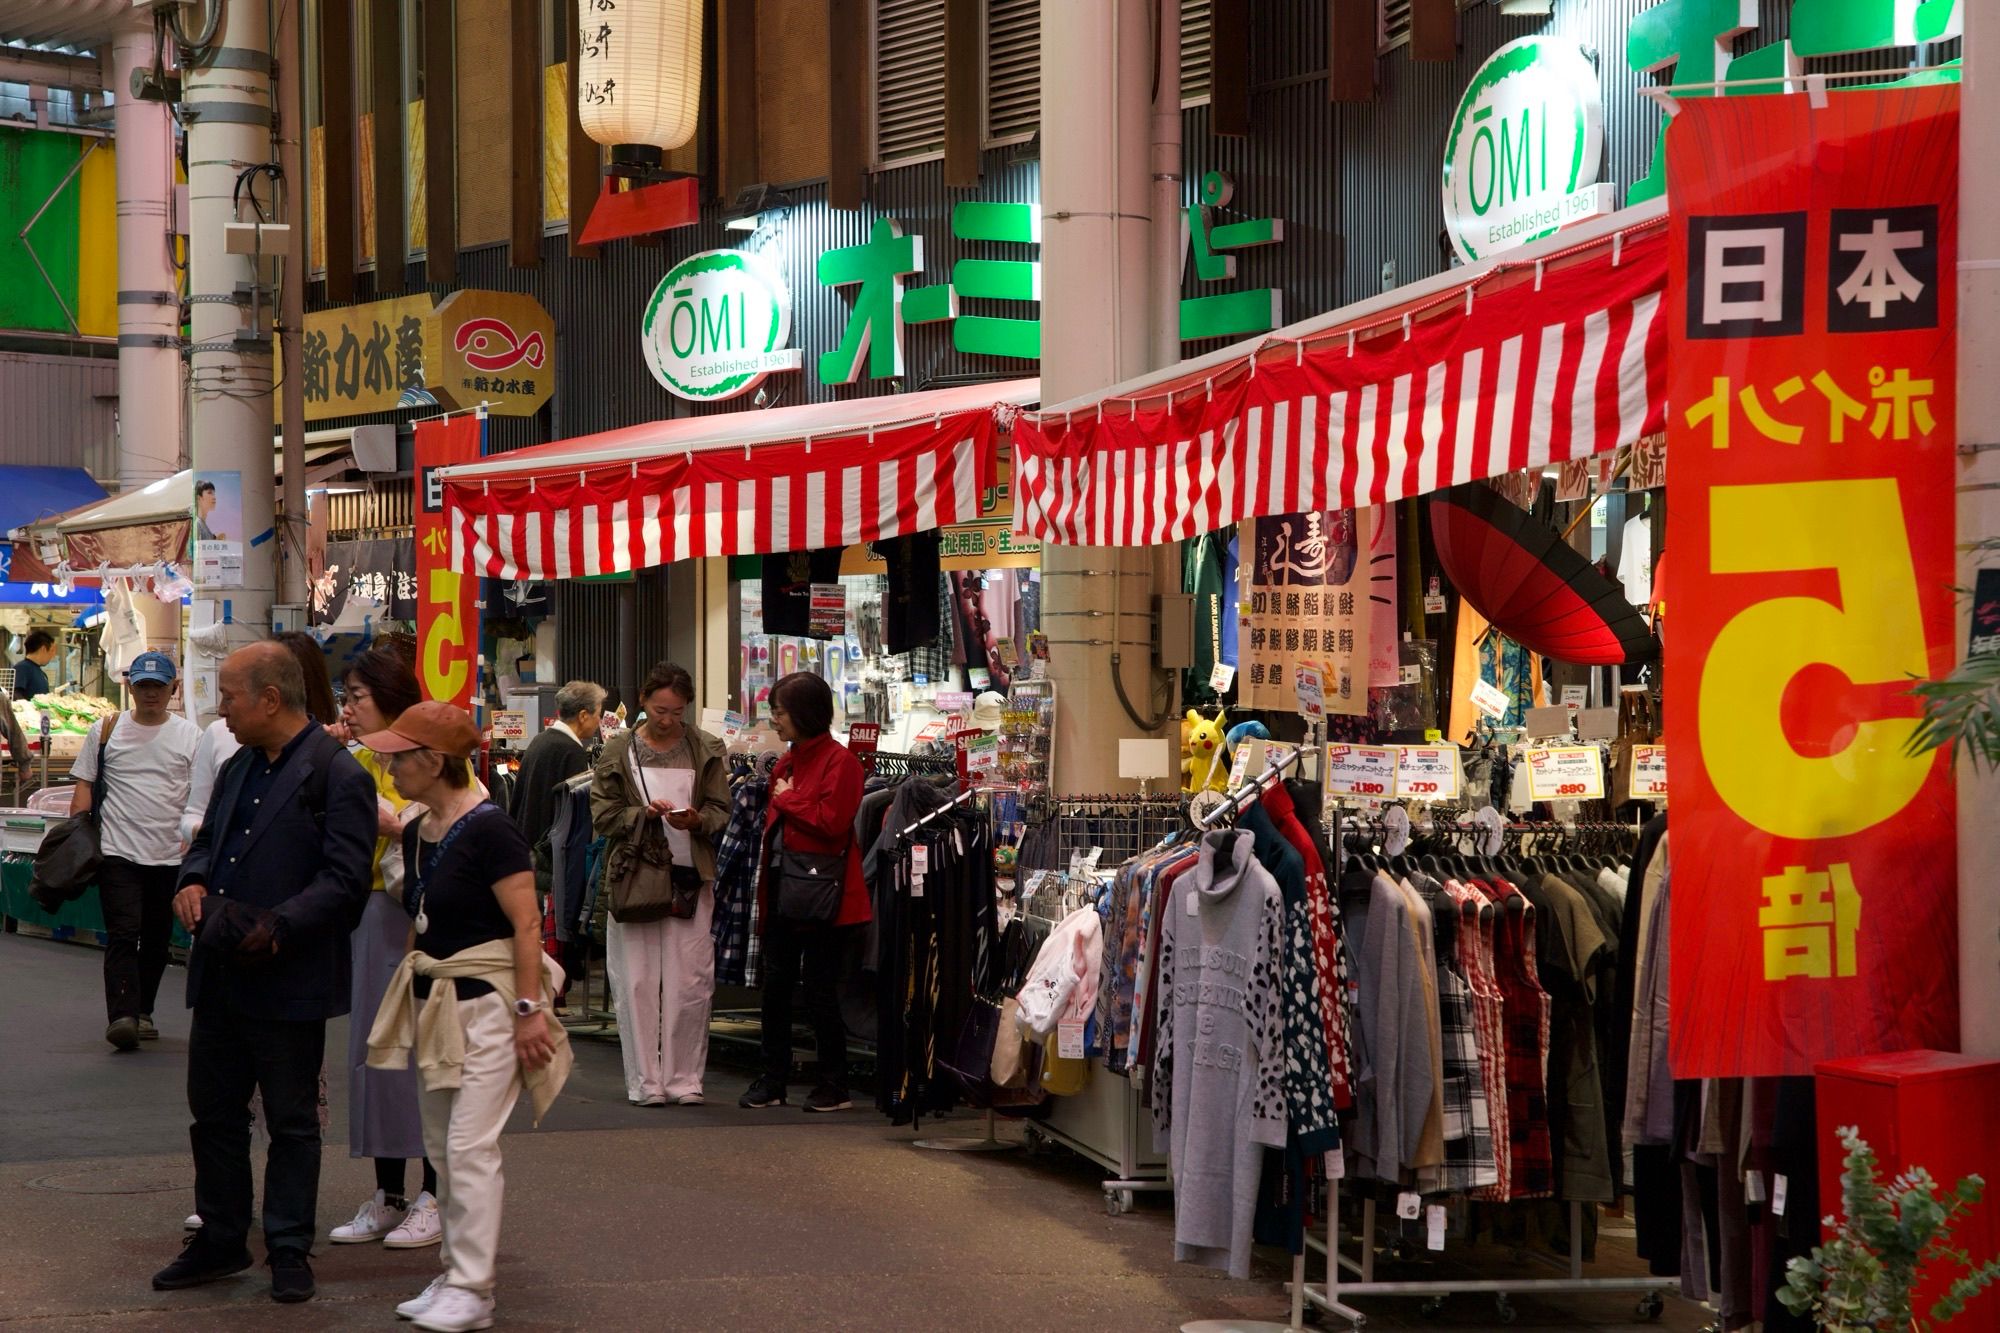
(1361, 770)
(1565, 773)
(1811, 419)
(1649, 773)
(447, 620)
(1427, 772)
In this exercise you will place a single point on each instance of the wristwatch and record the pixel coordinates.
(524, 1007)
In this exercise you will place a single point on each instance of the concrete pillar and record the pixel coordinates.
(1098, 265)
(149, 362)
(227, 99)
(1978, 510)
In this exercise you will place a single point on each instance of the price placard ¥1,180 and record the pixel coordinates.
(1427, 772)
(1361, 770)
(1649, 772)
(1565, 773)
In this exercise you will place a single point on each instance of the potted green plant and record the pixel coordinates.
(1864, 1277)
(1962, 710)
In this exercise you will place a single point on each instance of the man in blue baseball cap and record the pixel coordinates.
(135, 767)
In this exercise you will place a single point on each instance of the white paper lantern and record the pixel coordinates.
(639, 71)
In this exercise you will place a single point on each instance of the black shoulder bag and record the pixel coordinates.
(72, 852)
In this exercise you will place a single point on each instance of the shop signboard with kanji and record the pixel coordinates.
(474, 346)
(1308, 606)
(1811, 426)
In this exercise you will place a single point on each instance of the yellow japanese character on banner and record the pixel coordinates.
(1897, 399)
(1782, 431)
(1714, 409)
(434, 541)
(1809, 922)
(1840, 408)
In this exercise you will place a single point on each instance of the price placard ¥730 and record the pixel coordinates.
(1649, 772)
(1361, 770)
(1427, 772)
(1565, 773)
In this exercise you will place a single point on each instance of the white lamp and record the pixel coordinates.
(639, 77)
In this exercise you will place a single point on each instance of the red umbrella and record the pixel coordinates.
(1536, 590)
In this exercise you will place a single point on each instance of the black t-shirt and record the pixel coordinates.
(788, 580)
(455, 890)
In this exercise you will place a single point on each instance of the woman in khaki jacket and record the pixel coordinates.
(663, 972)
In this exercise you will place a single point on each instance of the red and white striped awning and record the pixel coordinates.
(1556, 354)
(736, 483)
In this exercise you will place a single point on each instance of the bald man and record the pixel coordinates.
(271, 888)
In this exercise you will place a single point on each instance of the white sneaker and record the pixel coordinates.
(422, 1225)
(374, 1220)
(193, 1222)
(416, 1305)
(690, 1099)
(456, 1310)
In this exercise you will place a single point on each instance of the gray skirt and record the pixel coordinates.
(383, 1119)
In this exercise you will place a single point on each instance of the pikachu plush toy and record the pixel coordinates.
(1204, 760)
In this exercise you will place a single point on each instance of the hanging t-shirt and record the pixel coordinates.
(151, 769)
(910, 611)
(455, 891)
(1635, 560)
(788, 580)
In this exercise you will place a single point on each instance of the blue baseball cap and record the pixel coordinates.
(151, 666)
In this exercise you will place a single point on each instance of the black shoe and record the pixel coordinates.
(123, 1033)
(291, 1276)
(766, 1091)
(200, 1263)
(827, 1097)
(147, 1032)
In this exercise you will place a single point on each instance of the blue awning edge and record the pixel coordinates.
(31, 494)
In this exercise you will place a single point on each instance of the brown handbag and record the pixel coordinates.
(641, 879)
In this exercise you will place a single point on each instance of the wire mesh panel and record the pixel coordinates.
(1122, 826)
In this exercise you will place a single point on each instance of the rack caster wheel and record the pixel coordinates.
(1432, 1308)
(1033, 1142)
(1503, 1309)
(1117, 1202)
(1652, 1305)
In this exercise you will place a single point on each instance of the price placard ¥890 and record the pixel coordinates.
(1427, 772)
(1565, 773)
(1367, 771)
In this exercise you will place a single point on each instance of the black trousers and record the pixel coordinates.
(818, 954)
(138, 906)
(229, 1054)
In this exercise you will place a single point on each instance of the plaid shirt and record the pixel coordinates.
(1489, 1026)
(736, 864)
(1527, 1042)
(1468, 1132)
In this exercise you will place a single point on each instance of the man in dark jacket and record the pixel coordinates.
(557, 755)
(271, 889)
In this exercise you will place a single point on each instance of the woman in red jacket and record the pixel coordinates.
(815, 794)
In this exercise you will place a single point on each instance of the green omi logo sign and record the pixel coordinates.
(718, 324)
(1523, 156)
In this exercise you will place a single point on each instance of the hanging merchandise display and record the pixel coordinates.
(1814, 352)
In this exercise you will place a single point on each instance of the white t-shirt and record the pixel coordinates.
(1635, 561)
(151, 768)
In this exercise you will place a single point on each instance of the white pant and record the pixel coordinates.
(663, 985)
(462, 1136)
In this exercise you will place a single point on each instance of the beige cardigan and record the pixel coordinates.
(437, 1036)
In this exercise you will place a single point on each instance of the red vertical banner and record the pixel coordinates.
(1811, 429)
(447, 621)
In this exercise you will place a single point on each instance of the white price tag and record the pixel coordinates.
(1222, 677)
(916, 886)
(1753, 1187)
(1193, 903)
(1434, 1226)
(1489, 699)
(1408, 1206)
(1336, 1165)
(1433, 603)
(1311, 685)
(1427, 772)
(1069, 1039)
(1565, 773)
(1409, 675)
(1778, 1184)
(1649, 772)
(920, 860)
(1360, 770)
(1575, 696)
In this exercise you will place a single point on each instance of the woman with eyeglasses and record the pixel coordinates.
(662, 972)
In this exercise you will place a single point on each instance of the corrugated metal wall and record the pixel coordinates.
(61, 411)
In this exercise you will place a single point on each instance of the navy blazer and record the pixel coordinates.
(314, 874)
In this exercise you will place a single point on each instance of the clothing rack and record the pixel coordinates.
(968, 794)
(892, 767)
(1251, 789)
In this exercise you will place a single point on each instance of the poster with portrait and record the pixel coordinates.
(1307, 605)
(218, 529)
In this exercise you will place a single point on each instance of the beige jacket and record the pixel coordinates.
(434, 1032)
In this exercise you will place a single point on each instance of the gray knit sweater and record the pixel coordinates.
(1217, 1095)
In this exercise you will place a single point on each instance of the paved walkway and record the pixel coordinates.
(704, 1218)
